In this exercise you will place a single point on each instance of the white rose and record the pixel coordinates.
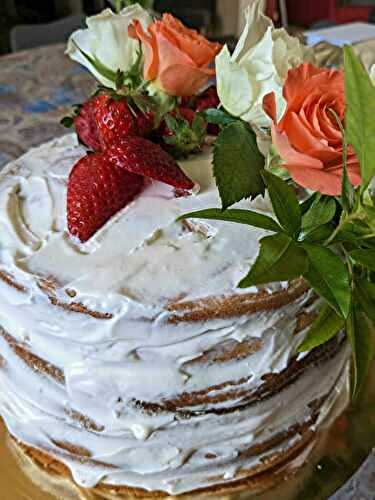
(107, 44)
(258, 66)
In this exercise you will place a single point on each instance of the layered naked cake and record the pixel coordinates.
(132, 361)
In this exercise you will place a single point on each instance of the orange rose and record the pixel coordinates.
(177, 57)
(308, 137)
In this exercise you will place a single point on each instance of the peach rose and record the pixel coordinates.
(307, 136)
(176, 57)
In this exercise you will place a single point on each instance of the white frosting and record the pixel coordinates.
(140, 261)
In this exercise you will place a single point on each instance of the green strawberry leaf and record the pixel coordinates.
(185, 139)
(284, 202)
(238, 164)
(328, 276)
(364, 257)
(67, 121)
(321, 212)
(218, 117)
(360, 112)
(119, 79)
(360, 332)
(199, 127)
(325, 327)
(247, 217)
(279, 259)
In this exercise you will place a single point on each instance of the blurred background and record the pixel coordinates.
(20, 20)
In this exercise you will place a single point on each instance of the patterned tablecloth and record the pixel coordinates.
(39, 86)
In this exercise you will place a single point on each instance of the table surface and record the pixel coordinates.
(37, 88)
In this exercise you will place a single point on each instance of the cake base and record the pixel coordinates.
(54, 477)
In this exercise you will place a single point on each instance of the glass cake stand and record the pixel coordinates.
(337, 456)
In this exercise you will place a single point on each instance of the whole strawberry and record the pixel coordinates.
(116, 120)
(209, 99)
(182, 132)
(97, 189)
(86, 126)
(143, 157)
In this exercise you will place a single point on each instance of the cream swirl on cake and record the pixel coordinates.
(133, 358)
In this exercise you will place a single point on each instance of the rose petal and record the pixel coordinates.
(269, 105)
(290, 156)
(149, 48)
(324, 81)
(297, 78)
(180, 80)
(327, 182)
(302, 140)
(199, 49)
(106, 39)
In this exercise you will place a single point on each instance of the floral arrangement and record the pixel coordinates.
(301, 135)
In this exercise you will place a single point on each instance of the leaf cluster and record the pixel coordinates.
(329, 241)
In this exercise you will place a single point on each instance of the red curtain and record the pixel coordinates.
(308, 12)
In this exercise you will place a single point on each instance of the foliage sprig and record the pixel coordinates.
(330, 241)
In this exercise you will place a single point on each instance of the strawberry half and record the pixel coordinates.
(97, 189)
(86, 126)
(116, 120)
(143, 157)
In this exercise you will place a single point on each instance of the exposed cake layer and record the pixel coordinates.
(137, 349)
(181, 452)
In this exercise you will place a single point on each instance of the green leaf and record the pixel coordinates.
(305, 205)
(360, 113)
(119, 79)
(284, 202)
(360, 333)
(364, 257)
(185, 139)
(67, 121)
(279, 259)
(318, 235)
(218, 117)
(329, 277)
(347, 190)
(352, 231)
(365, 294)
(321, 212)
(325, 327)
(247, 217)
(238, 164)
(199, 127)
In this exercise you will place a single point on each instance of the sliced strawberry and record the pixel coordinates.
(97, 189)
(86, 126)
(143, 157)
